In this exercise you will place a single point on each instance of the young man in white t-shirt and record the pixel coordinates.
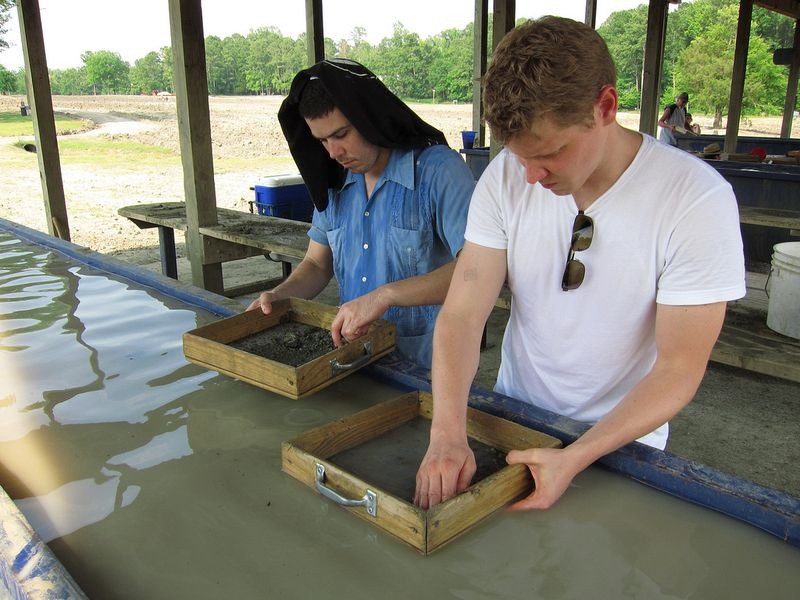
(619, 271)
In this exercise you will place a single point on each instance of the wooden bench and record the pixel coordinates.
(771, 217)
(242, 235)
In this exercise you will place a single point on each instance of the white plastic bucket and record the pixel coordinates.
(783, 311)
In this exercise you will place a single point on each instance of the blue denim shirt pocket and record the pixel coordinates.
(409, 256)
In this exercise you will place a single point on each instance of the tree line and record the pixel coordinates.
(698, 58)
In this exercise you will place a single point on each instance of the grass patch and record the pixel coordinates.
(14, 124)
(96, 153)
(102, 152)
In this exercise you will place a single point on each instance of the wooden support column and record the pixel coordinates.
(315, 36)
(653, 59)
(591, 14)
(737, 78)
(481, 39)
(194, 129)
(44, 125)
(502, 23)
(791, 88)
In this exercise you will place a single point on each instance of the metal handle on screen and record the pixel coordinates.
(369, 501)
(337, 367)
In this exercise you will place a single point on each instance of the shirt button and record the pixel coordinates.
(366, 213)
(363, 280)
(366, 246)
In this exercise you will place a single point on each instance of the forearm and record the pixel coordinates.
(430, 288)
(306, 281)
(456, 355)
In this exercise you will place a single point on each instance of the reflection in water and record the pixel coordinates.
(79, 353)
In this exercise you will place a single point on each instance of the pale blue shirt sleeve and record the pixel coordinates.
(448, 183)
(320, 224)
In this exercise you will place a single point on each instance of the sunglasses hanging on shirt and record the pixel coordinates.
(582, 233)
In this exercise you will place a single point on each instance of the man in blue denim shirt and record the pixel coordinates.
(391, 199)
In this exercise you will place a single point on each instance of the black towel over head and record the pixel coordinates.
(378, 115)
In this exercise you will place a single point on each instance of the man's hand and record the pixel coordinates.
(446, 470)
(552, 470)
(355, 317)
(264, 302)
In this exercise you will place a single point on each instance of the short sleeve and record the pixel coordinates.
(486, 222)
(320, 225)
(450, 185)
(704, 261)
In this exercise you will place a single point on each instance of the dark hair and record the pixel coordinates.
(315, 102)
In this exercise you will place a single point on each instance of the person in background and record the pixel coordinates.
(391, 201)
(674, 116)
(619, 271)
(690, 125)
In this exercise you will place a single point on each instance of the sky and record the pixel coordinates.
(135, 27)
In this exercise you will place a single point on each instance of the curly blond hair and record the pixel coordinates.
(551, 68)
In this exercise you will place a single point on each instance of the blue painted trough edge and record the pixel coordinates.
(28, 568)
(773, 511)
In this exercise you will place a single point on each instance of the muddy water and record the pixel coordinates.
(152, 478)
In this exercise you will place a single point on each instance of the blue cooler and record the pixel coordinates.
(284, 196)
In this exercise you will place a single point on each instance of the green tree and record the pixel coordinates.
(624, 33)
(69, 81)
(106, 72)
(8, 82)
(217, 67)
(358, 48)
(450, 70)
(705, 69)
(776, 29)
(289, 57)
(403, 63)
(166, 63)
(147, 74)
(5, 15)
(260, 59)
(235, 48)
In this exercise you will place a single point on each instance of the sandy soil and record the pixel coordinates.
(247, 145)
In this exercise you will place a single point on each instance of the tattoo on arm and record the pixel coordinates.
(470, 274)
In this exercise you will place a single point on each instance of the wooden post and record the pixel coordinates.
(591, 14)
(44, 126)
(315, 37)
(737, 79)
(653, 58)
(503, 22)
(481, 38)
(194, 129)
(791, 88)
